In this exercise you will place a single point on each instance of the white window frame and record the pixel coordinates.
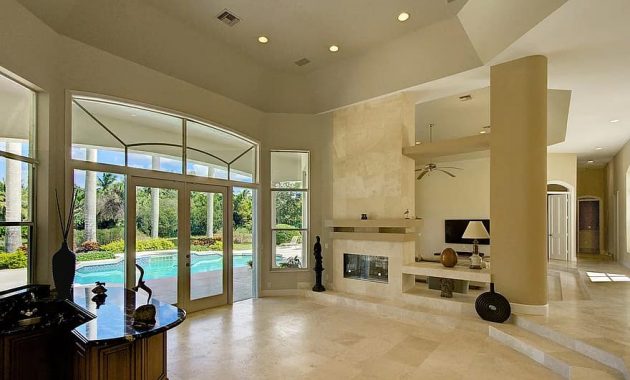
(31, 160)
(307, 207)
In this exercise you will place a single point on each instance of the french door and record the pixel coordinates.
(179, 234)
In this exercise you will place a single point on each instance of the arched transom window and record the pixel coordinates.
(114, 133)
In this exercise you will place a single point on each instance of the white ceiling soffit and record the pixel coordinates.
(305, 29)
(453, 118)
(378, 55)
(586, 43)
(493, 25)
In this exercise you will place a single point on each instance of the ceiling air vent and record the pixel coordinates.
(302, 62)
(228, 18)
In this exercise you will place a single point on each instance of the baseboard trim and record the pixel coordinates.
(519, 308)
(281, 292)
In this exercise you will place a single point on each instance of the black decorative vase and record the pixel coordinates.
(63, 265)
(319, 267)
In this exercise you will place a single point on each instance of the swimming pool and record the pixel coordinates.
(155, 267)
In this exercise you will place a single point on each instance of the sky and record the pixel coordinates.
(143, 161)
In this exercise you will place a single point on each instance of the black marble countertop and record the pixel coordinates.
(114, 318)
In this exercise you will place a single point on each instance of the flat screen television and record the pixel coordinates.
(454, 229)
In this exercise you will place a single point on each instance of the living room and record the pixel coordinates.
(250, 156)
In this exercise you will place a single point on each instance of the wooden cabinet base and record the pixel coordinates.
(142, 359)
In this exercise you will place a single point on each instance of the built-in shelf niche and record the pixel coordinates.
(392, 230)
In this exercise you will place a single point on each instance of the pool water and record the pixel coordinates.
(155, 267)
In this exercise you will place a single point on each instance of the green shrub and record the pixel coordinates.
(157, 244)
(88, 246)
(117, 246)
(217, 246)
(96, 255)
(15, 260)
(103, 235)
(242, 235)
(202, 241)
(283, 237)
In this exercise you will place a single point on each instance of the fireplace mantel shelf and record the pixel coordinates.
(392, 230)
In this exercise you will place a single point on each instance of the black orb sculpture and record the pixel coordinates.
(492, 306)
(319, 268)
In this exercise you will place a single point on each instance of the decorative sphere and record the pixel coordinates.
(448, 258)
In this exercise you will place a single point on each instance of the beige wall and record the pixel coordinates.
(591, 182)
(370, 173)
(440, 197)
(57, 65)
(467, 196)
(618, 168)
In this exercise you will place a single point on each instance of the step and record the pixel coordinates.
(596, 353)
(396, 309)
(564, 361)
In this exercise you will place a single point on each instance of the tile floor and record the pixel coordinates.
(297, 338)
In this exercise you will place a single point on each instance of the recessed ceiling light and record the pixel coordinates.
(599, 148)
(483, 132)
(263, 39)
(465, 98)
(590, 162)
(418, 142)
(404, 16)
(334, 48)
(614, 121)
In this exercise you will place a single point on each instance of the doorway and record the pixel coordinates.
(558, 226)
(185, 265)
(588, 225)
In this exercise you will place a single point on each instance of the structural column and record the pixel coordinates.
(155, 201)
(13, 198)
(210, 208)
(518, 175)
(90, 197)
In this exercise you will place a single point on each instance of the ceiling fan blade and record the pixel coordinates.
(450, 167)
(444, 171)
(422, 174)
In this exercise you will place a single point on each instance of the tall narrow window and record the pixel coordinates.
(17, 126)
(289, 209)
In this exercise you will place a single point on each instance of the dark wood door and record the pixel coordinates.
(588, 226)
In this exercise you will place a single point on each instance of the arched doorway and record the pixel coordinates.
(589, 224)
(561, 228)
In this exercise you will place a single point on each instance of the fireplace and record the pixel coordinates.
(365, 267)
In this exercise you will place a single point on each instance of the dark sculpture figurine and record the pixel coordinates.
(64, 260)
(144, 315)
(319, 268)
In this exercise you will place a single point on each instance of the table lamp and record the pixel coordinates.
(475, 230)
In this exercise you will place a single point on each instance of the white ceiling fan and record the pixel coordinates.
(432, 167)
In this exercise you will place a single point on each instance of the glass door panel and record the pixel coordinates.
(243, 241)
(156, 240)
(206, 244)
(206, 262)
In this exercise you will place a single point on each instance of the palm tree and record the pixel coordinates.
(106, 181)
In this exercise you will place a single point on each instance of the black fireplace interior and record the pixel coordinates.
(365, 267)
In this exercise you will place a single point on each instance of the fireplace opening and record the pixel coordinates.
(365, 267)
